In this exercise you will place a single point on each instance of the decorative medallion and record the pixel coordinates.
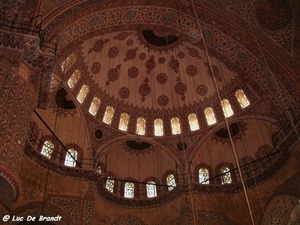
(273, 15)
(113, 52)
(174, 64)
(162, 78)
(133, 72)
(150, 64)
(124, 92)
(162, 60)
(130, 54)
(129, 42)
(202, 90)
(98, 45)
(181, 55)
(122, 36)
(193, 52)
(96, 67)
(163, 100)
(216, 71)
(182, 146)
(142, 56)
(144, 89)
(113, 74)
(191, 70)
(180, 88)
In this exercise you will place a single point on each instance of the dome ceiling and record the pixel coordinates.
(151, 73)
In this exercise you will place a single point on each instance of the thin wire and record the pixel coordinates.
(225, 119)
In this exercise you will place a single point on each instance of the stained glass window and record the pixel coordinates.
(226, 107)
(225, 175)
(242, 98)
(171, 182)
(141, 126)
(175, 125)
(74, 79)
(108, 115)
(82, 93)
(110, 184)
(129, 190)
(193, 121)
(123, 123)
(151, 189)
(71, 158)
(47, 149)
(203, 176)
(68, 62)
(158, 127)
(210, 116)
(94, 106)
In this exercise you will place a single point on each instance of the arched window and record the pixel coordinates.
(175, 125)
(226, 107)
(74, 78)
(193, 121)
(158, 127)
(71, 158)
(210, 116)
(141, 126)
(108, 115)
(129, 190)
(110, 184)
(66, 65)
(242, 98)
(123, 123)
(203, 176)
(151, 189)
(94, 106)
(171, 182)
(225, 175)
(82, 93)
(47, 149)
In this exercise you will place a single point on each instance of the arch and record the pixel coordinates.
(226, 107)
(129, 190)
(68, 62)
(47, 149)
(83, 93)
(171, 182)
(108, 115)
(242, 98)
(94, 106)
(71, 158)
(151, 189)
(210, 116)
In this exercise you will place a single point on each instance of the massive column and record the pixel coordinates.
(24, 81)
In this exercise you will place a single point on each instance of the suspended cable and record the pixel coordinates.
(225, 119)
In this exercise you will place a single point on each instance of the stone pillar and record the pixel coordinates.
(22, 81)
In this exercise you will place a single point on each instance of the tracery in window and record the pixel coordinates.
(94, 106)
(203, 176)
(225, 175)
(129, 190)
(123, 123)
(175, 125)
(141, 126)
(66, 65)
(151, 189)
(108, 115)
(158, 127)
(193, 121)
(71, 158)
(242, 98)
(171, 182)
(210, 116)
(74, 78)
(226, 107)
(47, 149)
(110, 184)
(82, 93)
